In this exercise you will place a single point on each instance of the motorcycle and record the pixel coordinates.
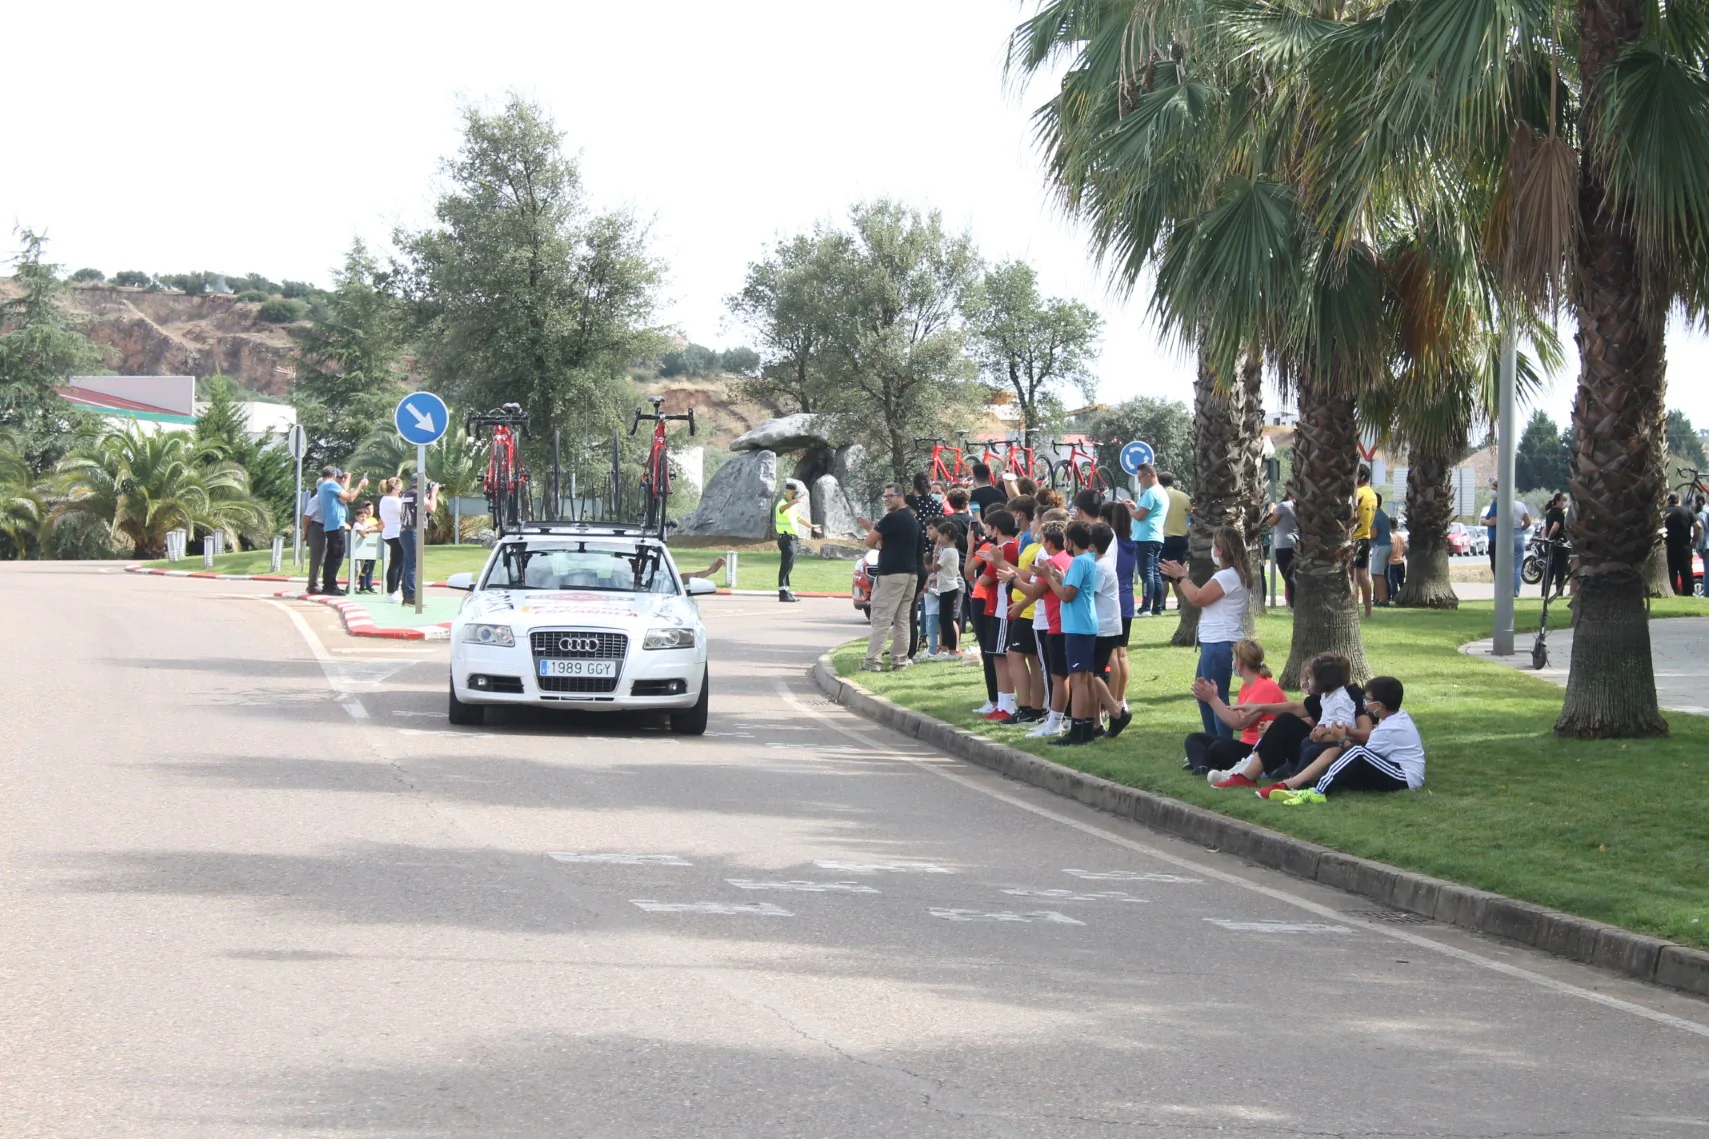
(1536, 562)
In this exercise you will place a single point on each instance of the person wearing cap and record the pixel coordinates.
(791, 522)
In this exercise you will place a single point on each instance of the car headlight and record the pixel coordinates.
(669, 637)
(498, 636)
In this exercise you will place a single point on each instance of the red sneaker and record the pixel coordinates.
(1283, 788)
(1234, 781)
(998, 717)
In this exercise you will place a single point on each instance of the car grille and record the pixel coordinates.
(578, 644)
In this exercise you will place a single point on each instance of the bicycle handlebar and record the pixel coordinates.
(505, 415)
(657, 416)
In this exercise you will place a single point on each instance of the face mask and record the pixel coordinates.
(1216, 558)
(937, 497)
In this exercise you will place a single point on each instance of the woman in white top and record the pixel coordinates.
(1222, 614)
(390, 515)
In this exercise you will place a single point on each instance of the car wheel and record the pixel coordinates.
(464, 715)
(866, 611)
(692, 721)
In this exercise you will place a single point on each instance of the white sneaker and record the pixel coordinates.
(1045, 728)
(1213, 776)
(971, 656)
(985, 709)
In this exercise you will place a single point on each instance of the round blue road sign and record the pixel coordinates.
(421, 417)
(1135, 453)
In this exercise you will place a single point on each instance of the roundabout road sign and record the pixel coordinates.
(1135, 453)
(421, 418)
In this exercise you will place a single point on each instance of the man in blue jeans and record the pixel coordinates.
(408, 518)
(1521, 524)
(1149, 513)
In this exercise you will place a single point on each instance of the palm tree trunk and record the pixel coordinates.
(1256, 486)
(1618, 418)
(1429, 510)
(1326, 464)
(1217, 453)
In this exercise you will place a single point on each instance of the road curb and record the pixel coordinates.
(149, 571)
(358, 622)
(1596, 943)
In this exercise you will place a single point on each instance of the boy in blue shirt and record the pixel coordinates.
(1076, 588)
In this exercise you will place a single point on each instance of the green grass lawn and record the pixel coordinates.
(756, 569)
(1614, 831)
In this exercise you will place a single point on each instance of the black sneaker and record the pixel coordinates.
(1120, 723)
(1029, 716)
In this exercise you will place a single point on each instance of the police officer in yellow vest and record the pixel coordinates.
(792, 524)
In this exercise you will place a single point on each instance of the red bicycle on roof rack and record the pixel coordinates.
(940, 471)
(1080, 470)
(656, 473)
(1020, 461)
(507, 486)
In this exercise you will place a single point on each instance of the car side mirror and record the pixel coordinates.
(699, 586)
(460, 581)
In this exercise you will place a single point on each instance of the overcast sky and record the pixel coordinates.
(253, 138)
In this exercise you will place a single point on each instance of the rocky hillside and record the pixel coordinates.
(170, 334)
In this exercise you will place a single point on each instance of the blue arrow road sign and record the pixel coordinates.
(421, 418)
(1136, 453)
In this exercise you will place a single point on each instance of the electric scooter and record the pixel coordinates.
(1554, 548)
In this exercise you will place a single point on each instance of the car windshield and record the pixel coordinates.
(581, 567)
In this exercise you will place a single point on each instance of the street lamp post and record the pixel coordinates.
(1504, 520)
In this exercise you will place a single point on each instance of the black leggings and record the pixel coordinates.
(1206, 752)
(985, 628)
(949, 620)
(394, 564)
(1279, 746)
(1285, 563)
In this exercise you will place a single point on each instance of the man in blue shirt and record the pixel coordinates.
(1076, 587)
(1149, 514)
(335, 495)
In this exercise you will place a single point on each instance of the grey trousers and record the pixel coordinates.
(892, 602)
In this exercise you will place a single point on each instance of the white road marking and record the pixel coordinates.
(1127, 876)
(456, 735)
(1050, 917)
(619, 859)
(1564, 988)
(1278, 926)
(1072, 896)
(802, 886)
(354, 706)
(881, 867)
(424, 715)
(758, 909)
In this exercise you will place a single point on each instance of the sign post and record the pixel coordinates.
(421, 418)
(1135, 453)
(296, 444)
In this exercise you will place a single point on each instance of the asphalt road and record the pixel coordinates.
(252, 885)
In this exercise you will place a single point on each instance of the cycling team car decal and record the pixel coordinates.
(577, 605)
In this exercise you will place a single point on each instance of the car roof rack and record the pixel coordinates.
(580, 529)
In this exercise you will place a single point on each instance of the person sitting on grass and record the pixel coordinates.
(1287, 745)
(1388, 756)
(1207, 752)
(1075, 588)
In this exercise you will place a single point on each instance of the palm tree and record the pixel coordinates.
(21, 507)
(1134, 148)
(144, 486)
(458, 463)
(1594, 130)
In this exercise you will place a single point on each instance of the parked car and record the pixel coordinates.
(861, 587)
(1459, 539)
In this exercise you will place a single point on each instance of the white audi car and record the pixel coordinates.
(589, 617)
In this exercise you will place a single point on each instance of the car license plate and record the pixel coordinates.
(600, 668)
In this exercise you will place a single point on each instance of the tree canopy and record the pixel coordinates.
(1032, 345)
(522, 293)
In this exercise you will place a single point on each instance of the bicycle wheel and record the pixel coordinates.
(662, 487)
(1099, 480)
(1061, 474)
(498, 480)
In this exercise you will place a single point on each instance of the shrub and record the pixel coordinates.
(292, 289)
(132, 279)
(254, 296)
(282, 311)
(744, 360)
(88, 276)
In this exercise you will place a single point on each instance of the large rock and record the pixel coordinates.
(798, 432)
(832, 511)
(737, 501)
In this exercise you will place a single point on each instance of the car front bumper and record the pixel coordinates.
(644, 681)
